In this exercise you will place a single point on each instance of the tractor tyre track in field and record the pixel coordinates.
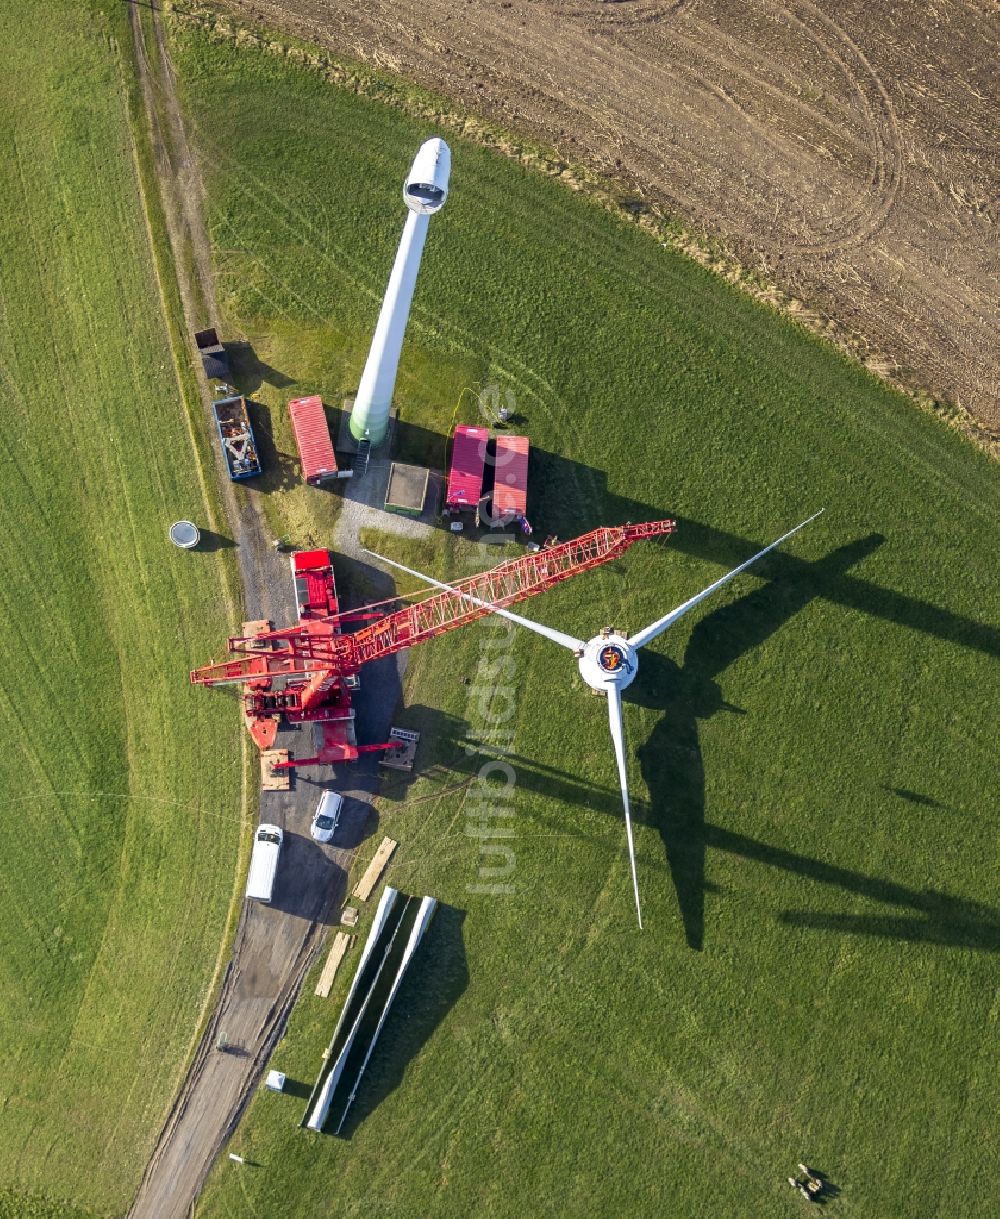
(274, 945)
(843, 152)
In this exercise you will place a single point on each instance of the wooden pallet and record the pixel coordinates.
(374, 870)
(272, 780)
(341, 943)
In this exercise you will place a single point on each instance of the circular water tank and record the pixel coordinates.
(184, 534)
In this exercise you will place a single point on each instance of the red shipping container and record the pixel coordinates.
(510, 478)
(313, 438)
(468, 461)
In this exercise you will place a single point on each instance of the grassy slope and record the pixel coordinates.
(843, 1005)
(120, 784)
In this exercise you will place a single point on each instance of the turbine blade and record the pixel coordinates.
(657, 628)
(564, 640)
(618, 736)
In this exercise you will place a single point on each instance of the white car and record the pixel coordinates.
(324, 822)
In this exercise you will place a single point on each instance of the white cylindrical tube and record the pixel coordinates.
(370, 415)
(424, 192)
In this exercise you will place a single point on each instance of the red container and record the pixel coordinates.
(465, 474)
(510, 478)
(313, 438)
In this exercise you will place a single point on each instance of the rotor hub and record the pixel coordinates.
(608, 660)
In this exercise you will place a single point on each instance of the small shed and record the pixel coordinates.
(407, 489)
(466, 468)
(312, 435)
(508, 469)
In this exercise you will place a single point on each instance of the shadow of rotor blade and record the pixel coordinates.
(939, 910)
(984, 937)
(704, 542)
(937, 918)
(671, 764)
(731, 631)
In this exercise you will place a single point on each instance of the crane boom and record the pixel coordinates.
(315, 655)
(318, 644)
(500, 586)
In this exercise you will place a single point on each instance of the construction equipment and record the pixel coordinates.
(306, 673)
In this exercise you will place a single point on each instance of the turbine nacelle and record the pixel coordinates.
(608, 660)
(426, 185)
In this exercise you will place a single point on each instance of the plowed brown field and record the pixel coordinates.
(845, 150)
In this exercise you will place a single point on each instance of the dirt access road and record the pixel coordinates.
(274, 945)
(847, 150)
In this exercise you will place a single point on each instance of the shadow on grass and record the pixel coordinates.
(433, 984)
(209, 542)
(910, 797)
(250, 372)
(933, 918)
(671, 757)
(296, 1087)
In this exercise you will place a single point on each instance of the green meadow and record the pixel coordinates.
(121, 795)
(812, 753)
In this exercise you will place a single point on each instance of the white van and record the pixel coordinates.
(324, 822)
(264, 862)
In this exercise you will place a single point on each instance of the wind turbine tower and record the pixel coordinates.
(424, 193)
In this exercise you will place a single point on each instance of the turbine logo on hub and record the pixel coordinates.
(612, 659)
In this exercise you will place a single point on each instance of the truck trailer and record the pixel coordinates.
(214, 359)
(505, 487)
(239, 448)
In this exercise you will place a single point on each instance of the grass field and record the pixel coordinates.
(119, 786)
(812, 755)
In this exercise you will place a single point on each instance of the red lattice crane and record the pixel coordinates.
(305, 673)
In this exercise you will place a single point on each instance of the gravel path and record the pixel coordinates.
(362, 509)
(274, 945)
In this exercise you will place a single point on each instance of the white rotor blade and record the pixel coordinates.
(658, 627)
(565, 641)
(618, 736)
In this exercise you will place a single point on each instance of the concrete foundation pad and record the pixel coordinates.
(407, 489)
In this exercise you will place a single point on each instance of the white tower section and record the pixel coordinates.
(424, 193)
